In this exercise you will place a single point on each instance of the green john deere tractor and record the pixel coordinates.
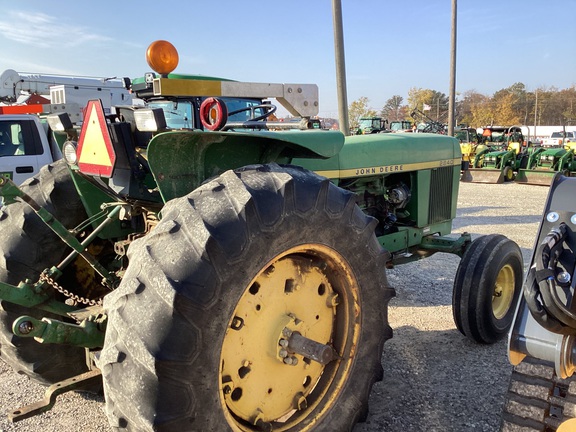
(370, 125)
(215, 272)
(469, 145)
(502, 155)
(547, 162)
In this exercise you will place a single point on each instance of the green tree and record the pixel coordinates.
(393, 109)
(480, 111)
(419, 98)
(505, 112)
(509, 105)
(545, 106)
(466, 106)
(357, 109)
(569, 105)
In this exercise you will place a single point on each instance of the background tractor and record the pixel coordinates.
(548, 161)
(504, 154)
(469, 145)
(542, 391)
(370, 125)
(401, 126)
(216, 273)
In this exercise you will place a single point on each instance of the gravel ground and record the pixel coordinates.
(434, 378)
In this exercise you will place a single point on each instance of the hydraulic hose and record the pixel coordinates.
(541, 291)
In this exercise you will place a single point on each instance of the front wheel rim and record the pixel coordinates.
(309, 290)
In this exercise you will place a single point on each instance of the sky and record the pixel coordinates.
(390, 46)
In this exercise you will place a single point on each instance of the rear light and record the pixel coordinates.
(69, 152)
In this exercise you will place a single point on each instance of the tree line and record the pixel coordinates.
(509, 106)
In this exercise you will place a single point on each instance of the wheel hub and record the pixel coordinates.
(503, 291)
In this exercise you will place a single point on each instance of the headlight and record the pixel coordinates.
(69, 152)
(150, 119)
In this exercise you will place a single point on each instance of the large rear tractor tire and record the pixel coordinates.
(202, 331)
(486, 288)
(538, 401)
(28, 246)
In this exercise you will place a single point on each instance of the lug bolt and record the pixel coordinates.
(291, 361)
(333, 300)
(263, 425)
(300, 403)
(260, 423)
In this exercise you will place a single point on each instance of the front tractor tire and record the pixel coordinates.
(508, 174)
(486, 288)
(203, 329)
(27, 247)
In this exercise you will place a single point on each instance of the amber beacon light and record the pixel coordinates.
(162, 57)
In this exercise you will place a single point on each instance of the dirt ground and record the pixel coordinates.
(434, 378)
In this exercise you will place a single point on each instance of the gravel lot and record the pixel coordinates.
(434, 378)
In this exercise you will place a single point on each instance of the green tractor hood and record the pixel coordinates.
(388, 153)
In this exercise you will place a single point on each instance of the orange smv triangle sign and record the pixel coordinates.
(95, 149)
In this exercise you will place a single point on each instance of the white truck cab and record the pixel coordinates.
(24, 146)
(559, 138)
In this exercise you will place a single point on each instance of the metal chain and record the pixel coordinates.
(76, 298)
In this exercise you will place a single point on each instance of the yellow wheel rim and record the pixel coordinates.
(567, 426)
(503, 291)
(309, 290)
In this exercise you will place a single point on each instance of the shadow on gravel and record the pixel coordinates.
(430, 282)
(427, 282)
(438, 381)
(470, 211)
(464, 218)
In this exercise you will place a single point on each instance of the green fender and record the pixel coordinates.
(181, 160)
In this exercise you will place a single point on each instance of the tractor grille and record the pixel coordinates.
(440, 194)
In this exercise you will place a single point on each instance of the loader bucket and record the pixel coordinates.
(483, 175)
(535, 177)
